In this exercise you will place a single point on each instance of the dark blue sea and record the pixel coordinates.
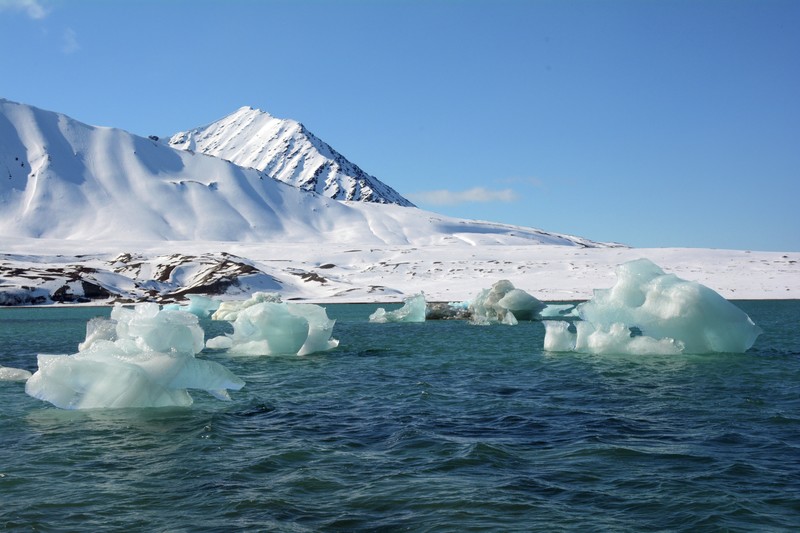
(440, 426)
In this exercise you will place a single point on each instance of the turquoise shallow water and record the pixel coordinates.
(438, 426)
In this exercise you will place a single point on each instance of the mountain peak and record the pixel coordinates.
(247, 110)
(285, 150)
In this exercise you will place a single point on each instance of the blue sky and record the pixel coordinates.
(652, 123)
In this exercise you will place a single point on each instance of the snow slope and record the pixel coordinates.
(68, 180)
(287, 151)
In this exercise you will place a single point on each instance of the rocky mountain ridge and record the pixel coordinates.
(287, 151)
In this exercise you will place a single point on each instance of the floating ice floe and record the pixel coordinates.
(504, 304)
(650, 312)
(413, 310)
(263, 325)
(13, 374)
(141, 357)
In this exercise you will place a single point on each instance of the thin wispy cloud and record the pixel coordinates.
(70, 44)
(473, 195)
(33, 8)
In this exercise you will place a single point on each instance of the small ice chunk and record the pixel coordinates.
(492, 306)
(648, 311)
(13, 374)
(413, 310)
(141, 357)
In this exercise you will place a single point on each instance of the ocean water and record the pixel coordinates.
(440, 426)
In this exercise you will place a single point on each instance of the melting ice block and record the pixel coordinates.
(13, 374)
(141, 357)
(413, 310)
(650, 312)
(264, 325)
(503, 303)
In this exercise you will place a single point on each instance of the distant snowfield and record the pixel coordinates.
(384, 273)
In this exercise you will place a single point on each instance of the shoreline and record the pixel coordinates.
(89, 305)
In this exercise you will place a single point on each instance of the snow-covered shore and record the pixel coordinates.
(80, 271)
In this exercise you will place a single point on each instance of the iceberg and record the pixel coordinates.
(650, 312)
(504, 304)
(413, 310)
(263, 325)
(140, 357)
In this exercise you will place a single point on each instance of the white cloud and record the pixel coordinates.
(70, 45)
(33, 8)
(476, 194)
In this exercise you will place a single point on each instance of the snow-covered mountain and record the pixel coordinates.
(287, 151)
(60, 178)
(97, 214)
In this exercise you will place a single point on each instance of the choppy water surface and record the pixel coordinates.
(435, 426)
